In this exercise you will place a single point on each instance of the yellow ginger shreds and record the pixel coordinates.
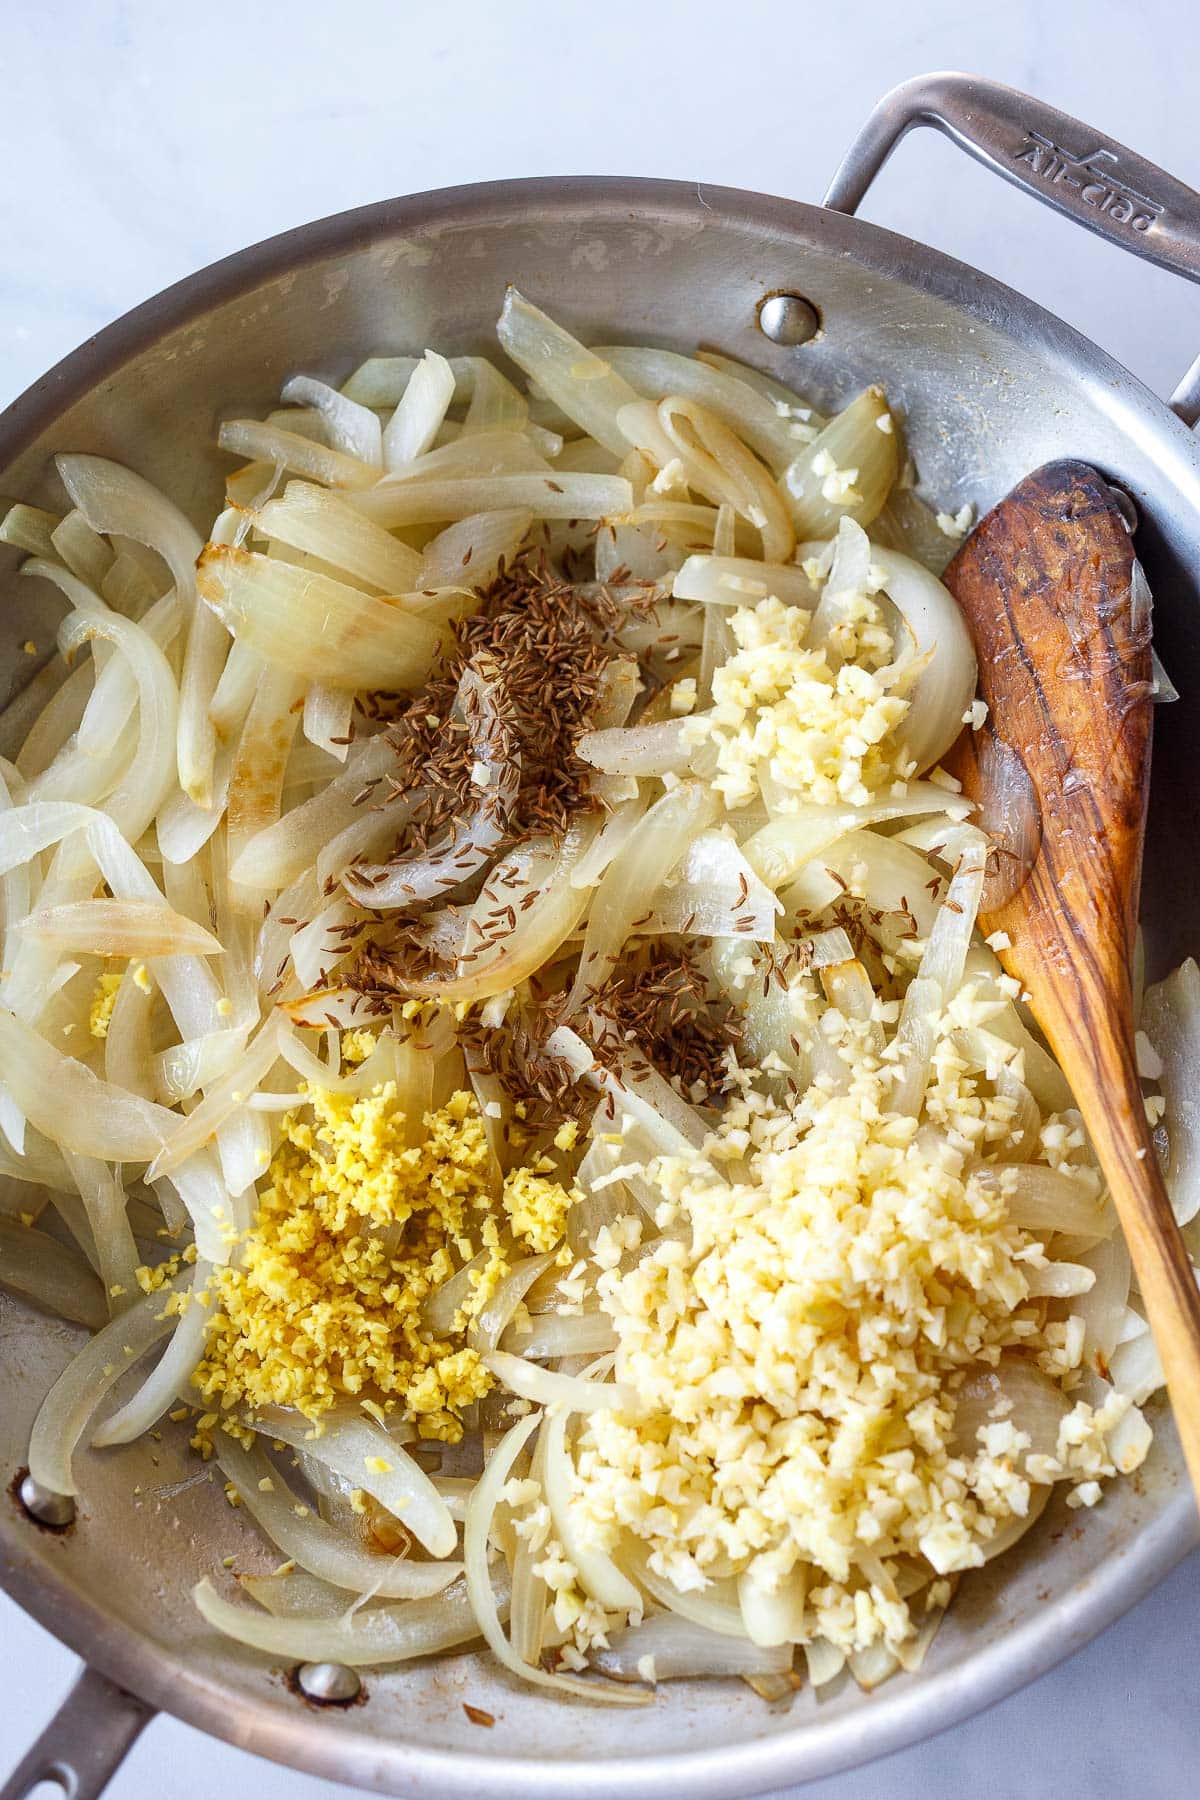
(355, 1229)
(537, 1206)
(781, 712)
(103, 1001)
(797, 1363)
(152, 1277)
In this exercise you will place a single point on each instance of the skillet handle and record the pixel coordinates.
(85, 1742)
(1088, 178)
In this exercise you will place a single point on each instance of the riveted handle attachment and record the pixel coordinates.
(1082, 174)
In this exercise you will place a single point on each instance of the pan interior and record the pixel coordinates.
(988, 388)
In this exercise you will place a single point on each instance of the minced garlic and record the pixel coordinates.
(796, 1362)
(780, 711)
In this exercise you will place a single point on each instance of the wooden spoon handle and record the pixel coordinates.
(1093, 1048)
(1062, 632)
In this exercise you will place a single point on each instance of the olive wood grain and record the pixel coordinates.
(1061, 772)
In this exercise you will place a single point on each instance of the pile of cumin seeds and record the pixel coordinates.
(551, 642)
(657, 1001)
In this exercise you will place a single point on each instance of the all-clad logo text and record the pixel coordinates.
(1093, 177)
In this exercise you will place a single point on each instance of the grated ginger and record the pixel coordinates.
(103, 1000)
(356, 1228)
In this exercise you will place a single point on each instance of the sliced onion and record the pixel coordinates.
(774, 1615)
(679, 1649)
(581, 383)
(742, 581)
(308, 1541)
(186, 1135)
(472, 549)
(328, 1008)
(852, 440)
(481, 1509)
(322, 524)
(942, 648)
(488, 965)
(778, 851)
(73, 1107)
(715, 894)
(423, 401)
(755, 419)
(352, 429)
(271, 444)
(375, 1636)
(118, 928)
(657, 749)
(171, 1374)
(550, 1336)
(103, 1197)
(29, 528)
(496, 405)
(145, 786)
(660, 840)
(43, 1270)
(494, 1316)
(1136, 1368)
(546, 1387)
(316, 627)
(328, 720)
(183, 827)
(353, 1447)
(551, 496)
(256, 780)
(114, 499)
(938, 978)
(481, 454)
(63, 1415)
(281, 852)
(715, 1606)
(599, 1575)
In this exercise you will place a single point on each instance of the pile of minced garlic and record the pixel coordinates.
(362, 1217)
(796, 1352)
(781, 712)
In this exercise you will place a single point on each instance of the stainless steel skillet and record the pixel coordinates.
(990, 386)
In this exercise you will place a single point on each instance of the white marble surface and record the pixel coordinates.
(140, 141)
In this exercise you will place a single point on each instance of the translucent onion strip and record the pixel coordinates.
(171, 1374)
(41, 1269)
(364, 1455)
(305, 1539)
(546, 1387)
(73, 1107)
(118, 928)
(87, 1378)
(373, 1637)
(581, 383)
(322, 524)
(481, 1509)
(316, 627)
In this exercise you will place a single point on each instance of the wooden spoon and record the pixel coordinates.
(1061, 772)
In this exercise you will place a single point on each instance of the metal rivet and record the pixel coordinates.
(788, 319)
(44, 1505)
(328, 1682)
(1126, 506)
